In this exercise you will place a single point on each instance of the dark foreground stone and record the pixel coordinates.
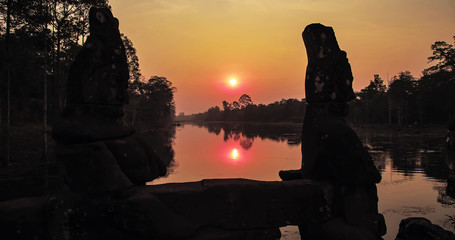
(209, 209)
(246, 204)
(331, 150)
(418, 228)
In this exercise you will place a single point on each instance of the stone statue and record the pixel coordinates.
(96, 96)
(102, 157)
(97, 85)
(99, 75)
(331, 151)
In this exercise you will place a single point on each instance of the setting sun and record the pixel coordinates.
(233, 82)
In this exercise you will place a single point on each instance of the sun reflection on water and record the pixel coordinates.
(234, 154)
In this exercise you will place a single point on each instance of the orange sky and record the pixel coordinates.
(200, 44)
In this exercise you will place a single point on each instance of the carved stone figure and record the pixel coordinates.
(102, 157)
(99, 74)
(97, 85)
(96, 95)
(331, 151)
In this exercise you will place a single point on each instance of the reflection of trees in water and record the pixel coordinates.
(213, 129)
(443, 198)
(246, 143)
(379, 159)
(162, 139)
(246, 133)
(409, 152)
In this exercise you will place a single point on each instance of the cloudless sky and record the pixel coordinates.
(199, 45)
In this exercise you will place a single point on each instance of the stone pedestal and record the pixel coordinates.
(212, 209)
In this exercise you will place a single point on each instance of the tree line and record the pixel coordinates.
(39, 40)
(408, 100)
(405, 101)
(285, 110)
(151, 102)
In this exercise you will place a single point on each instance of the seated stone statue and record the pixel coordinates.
(101, 157)
(331, 151)
(96, 97)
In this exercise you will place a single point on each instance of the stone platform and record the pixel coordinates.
(216, 208)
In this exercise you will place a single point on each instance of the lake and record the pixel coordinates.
(412, 164)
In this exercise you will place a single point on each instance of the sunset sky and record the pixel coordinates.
(200, 45)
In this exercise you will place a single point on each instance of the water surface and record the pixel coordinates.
(412, 164)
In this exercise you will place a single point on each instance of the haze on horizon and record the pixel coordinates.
(200, 45)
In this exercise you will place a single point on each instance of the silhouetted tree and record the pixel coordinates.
(244, 110)
(132, 59)
(245, 100)
(155, 100)
(213, 114)
(226, 106)
(436, 97)
(401, 92)
(136, 80)
(235, 105)
(371, 105)
(437, 86)
(246, 143)
(444, 55)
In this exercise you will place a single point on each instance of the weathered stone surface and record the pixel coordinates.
(93, 120)
(39, 180)
(91, 168)
(418, 228)
(328, 75)
(354, 217)
(31, 218)
(99, 154)
(212, 233)
(247, 204)
(330, 148)
(96, 86)
(287, 175)
(99, 74)
(210, 209)
(450, 190)
(145, 215)
(337, 229)
(136, 158)
(331, 151)
(83, 123)
(21, 218)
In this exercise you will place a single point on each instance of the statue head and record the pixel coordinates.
(99, 74)
(319, 41)
(328, 76)
(101, 21)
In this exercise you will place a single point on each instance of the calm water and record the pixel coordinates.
(412, 164)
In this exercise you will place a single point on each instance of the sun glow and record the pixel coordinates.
(234, 154)
(233, 82)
